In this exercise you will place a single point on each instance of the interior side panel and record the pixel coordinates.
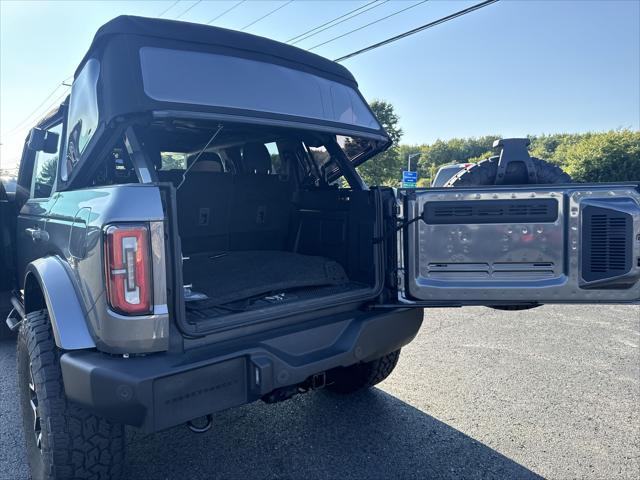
(337, 224)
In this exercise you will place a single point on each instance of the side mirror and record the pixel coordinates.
(43, 141)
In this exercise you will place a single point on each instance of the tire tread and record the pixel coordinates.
(363, 375)
(78, 444)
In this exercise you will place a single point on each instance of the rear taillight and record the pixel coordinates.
(128, 268)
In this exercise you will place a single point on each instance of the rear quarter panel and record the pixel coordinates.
(75, 223)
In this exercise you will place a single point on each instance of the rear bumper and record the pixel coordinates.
(163, 390)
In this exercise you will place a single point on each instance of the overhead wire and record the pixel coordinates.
(266, 15)
(36, 111)
(379, 4)
(330, 21)
(169, 8)
(418, 29)
(226, 11)
(183, 13)
(367, 25)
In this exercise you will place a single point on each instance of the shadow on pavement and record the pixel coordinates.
(320, 435)
(317, 435)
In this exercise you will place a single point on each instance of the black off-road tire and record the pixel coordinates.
(484, 173)
(362, 375)
(74, 443)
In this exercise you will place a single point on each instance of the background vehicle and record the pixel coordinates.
(169, 264)
(445, 173)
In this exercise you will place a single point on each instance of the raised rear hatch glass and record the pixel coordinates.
(201, 78)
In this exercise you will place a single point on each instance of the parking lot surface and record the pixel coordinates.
(551, 392)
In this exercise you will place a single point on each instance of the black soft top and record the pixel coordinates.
(214, 36)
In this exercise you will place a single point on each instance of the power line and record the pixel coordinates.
(196, 3)
(226, 11)
(418, 29)
(341, 21)
(28, 118)
(169, 8)
(267, 14)
(304, 34)
(367, 25)
(39, 113)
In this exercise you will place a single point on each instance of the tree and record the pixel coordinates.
(545, 146)
(386, 167)
(47, 172)
(456, 150)
(587, 157)
(613, 156)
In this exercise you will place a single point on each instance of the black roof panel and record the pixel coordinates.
(209, 35)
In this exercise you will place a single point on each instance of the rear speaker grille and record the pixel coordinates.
(491, 211)
(606, 243)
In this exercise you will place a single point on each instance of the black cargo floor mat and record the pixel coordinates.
(232, 276)
(197, 311)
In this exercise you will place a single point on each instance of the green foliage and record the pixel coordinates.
(173, 160)
(48, 172)
(546, 146)
(588, 157)
(456, 150)
(386, 167)
(605, 157)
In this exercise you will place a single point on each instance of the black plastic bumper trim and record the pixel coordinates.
(163, 390)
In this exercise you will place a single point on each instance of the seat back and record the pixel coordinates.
(203, 202)
(261, 205)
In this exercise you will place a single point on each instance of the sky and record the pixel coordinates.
(514, 68)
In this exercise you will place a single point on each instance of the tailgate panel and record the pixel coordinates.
(523, 244)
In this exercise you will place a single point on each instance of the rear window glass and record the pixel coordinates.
(219, 80)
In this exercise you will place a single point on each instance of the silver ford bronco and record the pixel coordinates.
(189, 233)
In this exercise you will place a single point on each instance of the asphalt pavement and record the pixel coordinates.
(551, 392)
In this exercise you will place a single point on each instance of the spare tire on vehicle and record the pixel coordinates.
(485, 172)
(515, 173)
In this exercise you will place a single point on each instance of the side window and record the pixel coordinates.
(44, 170)
(276, 163)
(83, 115)
(173, 161)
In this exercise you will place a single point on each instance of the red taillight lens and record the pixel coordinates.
(128, 268)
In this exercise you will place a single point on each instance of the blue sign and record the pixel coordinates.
(409, 177)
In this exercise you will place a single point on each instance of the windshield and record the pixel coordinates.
(209, 79)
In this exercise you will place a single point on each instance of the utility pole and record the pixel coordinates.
(409, 157)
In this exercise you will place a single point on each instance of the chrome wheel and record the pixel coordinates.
(33, 401)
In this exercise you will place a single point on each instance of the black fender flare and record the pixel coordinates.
(66, 313)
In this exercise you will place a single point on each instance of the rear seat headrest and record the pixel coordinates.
(207, 162)
(256, 158)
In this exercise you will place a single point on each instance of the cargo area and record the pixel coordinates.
(257, 229)
(258, 252)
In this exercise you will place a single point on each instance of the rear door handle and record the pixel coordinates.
(37, 235)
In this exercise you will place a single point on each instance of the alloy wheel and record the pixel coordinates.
(33, 401)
